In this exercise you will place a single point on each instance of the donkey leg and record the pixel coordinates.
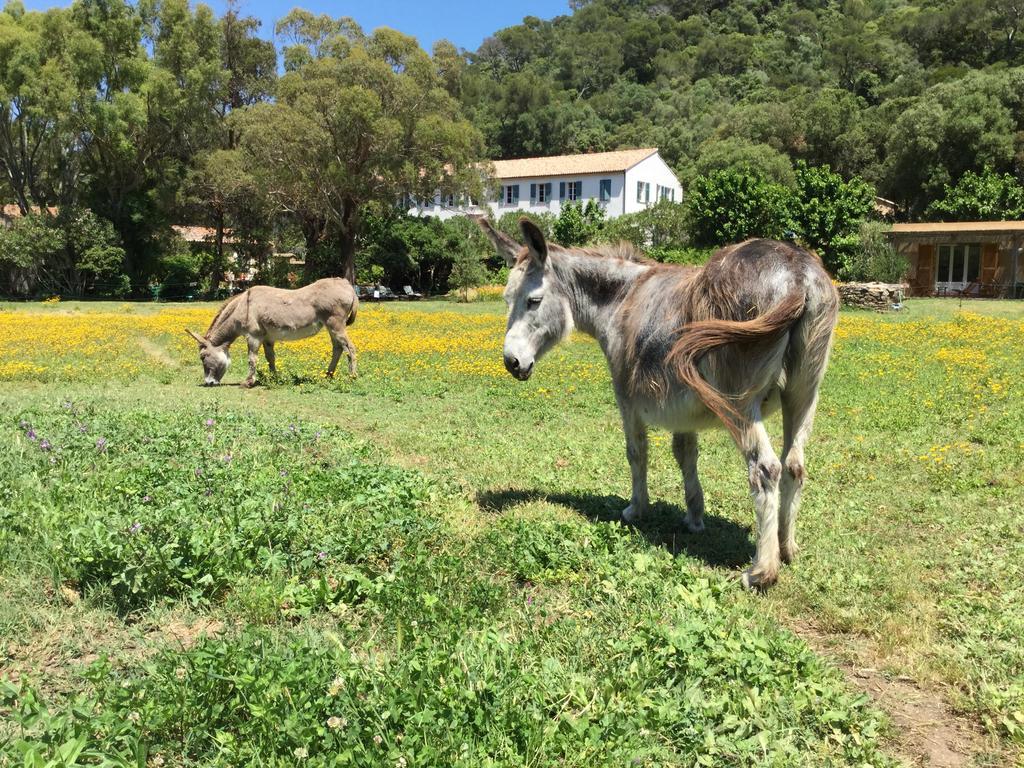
(254, 351)
(340, 343)
(684, 447)
(764, 470)
(797, 418)
(636, 452)
(268, 351)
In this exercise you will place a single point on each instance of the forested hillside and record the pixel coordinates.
(909, 95)
(120, 119)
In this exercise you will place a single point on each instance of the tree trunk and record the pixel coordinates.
(311, 231)
(347, 240)
(347, 251)
(217, 271)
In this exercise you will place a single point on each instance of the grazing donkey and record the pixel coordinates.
(688, 347)
(266, 315)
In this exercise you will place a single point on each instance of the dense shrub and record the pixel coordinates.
(73, 253)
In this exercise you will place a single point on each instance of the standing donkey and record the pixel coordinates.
(689, 347)
(266, 315)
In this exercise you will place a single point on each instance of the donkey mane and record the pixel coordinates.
(220, 312)
(623, 250)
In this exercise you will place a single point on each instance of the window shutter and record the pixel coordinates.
(501, 194)
(533, 191)
(547, 191)
(639, 191)
(515, 193)
(561, 190)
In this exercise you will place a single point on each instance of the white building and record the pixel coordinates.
(624, 181)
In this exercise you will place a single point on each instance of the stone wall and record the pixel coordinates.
(881, 297)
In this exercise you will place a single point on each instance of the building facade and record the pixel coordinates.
(625, 181)
(963, 258)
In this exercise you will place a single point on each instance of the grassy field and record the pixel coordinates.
(422, 566)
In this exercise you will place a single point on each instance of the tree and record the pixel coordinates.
(826, 208)
(578, 225)
(357, 120)
(46, 69)
(467, 267)
(729, 206)
(979, 197)
(73, 254)
(663, 226)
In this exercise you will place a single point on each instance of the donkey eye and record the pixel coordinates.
(533, 301)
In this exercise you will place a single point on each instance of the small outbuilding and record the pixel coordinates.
(963, 258)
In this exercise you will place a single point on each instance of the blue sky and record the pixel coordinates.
(465, 22)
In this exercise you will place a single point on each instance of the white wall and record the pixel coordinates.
(654, 171)
(591, 191)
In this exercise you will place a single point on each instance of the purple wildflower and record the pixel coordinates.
(101, 444)
(68, 404)
(135, 528)
(226, 458)
(210, 422)
(321, 555)
(31, 434)
(199, 471)
(82, 428)
(146, 499)
(284, 473)
(24, 424)
(44, 444)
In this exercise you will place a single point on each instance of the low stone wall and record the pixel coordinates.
(880, 297)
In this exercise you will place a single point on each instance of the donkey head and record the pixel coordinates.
(539, 314)
(215, 359)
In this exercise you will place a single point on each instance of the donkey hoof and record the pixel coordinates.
(632, 514)
(248, 384)
(694, 524)
(759, 578)
(788, 552)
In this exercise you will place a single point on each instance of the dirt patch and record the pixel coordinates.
(157, 352)
(185, 634)
(927, 732)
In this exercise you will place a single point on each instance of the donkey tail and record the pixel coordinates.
(700, 337)
(352, 315)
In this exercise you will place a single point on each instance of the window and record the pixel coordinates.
(511, 194)
(572, 189)
(606, 190)
(643, 192)
(666, 193)
(540, 193)
(958, 264)
(449, 201)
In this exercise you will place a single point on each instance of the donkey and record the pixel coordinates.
(689, 348)
(266, 315)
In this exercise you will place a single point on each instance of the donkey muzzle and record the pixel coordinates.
(517, 369)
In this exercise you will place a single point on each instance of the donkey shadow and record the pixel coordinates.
(722, 543)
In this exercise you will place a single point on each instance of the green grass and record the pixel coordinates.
(476, 598)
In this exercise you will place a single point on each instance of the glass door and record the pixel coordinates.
(959, 266)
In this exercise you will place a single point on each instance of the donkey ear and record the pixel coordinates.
(202, 342)
(505, 245)
(535, 241)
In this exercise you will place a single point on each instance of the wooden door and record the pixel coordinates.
(923, 281)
